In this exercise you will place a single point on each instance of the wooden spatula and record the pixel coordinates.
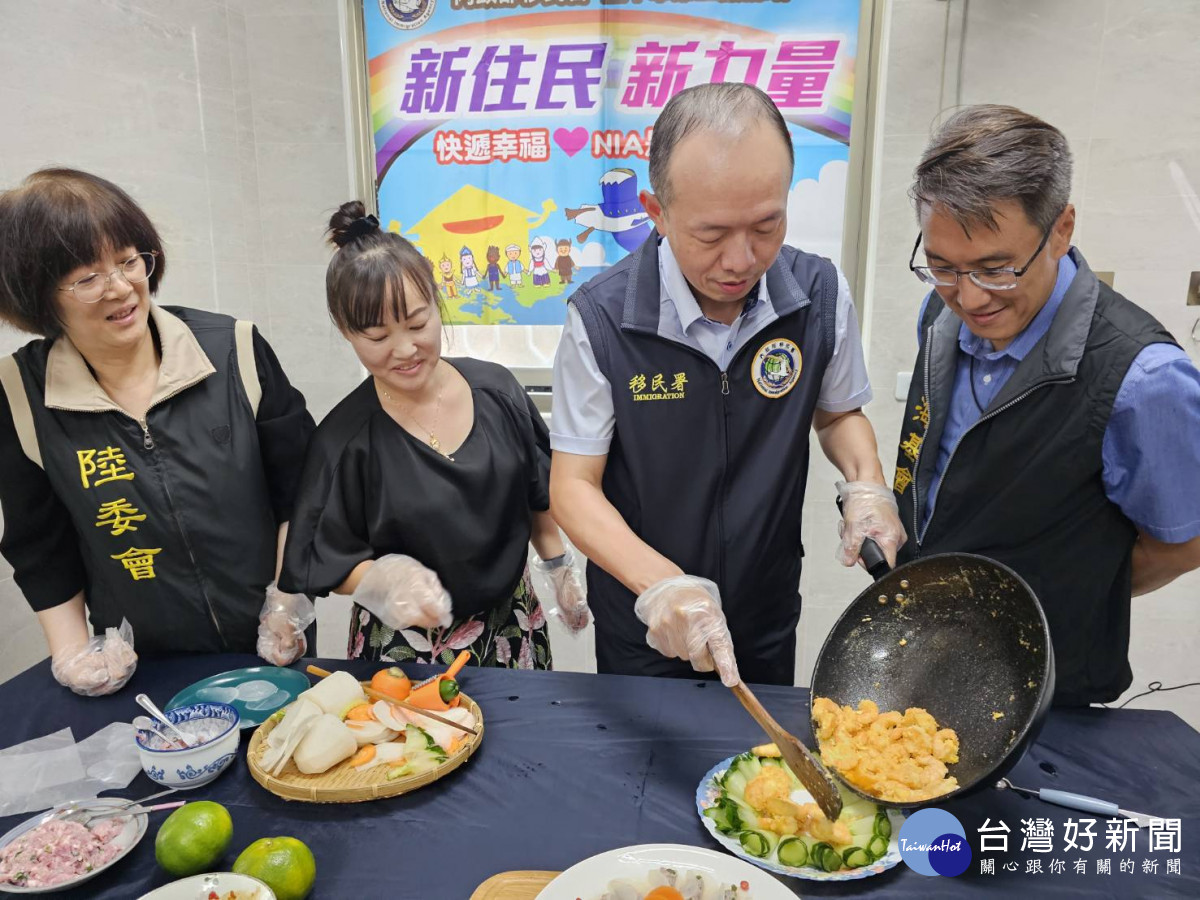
(811, 773)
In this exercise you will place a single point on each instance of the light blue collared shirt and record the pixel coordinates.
(583, 419)
(718, 341)
(1151, 448)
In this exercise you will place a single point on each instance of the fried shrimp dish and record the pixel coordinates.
(899, 757)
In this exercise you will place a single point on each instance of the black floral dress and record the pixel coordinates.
(370, 489)
(513, 636)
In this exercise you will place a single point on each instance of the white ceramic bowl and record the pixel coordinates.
(202, 887)
(194, 766)
(589, 879)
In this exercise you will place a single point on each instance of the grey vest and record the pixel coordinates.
(175, 523)
(709, 467)
(1024, 485)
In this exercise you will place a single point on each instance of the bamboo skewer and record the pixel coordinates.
(376, 695)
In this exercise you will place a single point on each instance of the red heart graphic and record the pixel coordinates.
(572, 141)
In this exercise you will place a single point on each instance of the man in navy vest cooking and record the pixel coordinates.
(1051, 424)
(686, 383)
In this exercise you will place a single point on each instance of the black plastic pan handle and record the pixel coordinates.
(871, 553)
(872, 556)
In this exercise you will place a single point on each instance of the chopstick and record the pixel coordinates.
(376, 695)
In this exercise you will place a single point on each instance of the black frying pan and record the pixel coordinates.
(976, 643)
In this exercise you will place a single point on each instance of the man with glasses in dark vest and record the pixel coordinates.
(686, 384)
(1051, 424)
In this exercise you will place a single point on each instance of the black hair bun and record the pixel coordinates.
(350, 223)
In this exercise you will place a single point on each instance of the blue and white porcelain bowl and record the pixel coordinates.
(216, 724)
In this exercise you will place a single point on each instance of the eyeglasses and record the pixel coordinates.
(1004, 279)
(135, 270)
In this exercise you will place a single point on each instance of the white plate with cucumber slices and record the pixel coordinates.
(721, 803)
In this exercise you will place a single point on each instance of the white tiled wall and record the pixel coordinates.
(237, 149)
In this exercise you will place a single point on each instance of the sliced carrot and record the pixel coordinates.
(365, 754)
(361, 713)
(454, 745)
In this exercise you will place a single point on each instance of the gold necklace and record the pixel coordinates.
(437, 414)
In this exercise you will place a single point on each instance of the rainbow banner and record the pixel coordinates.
(511, 137)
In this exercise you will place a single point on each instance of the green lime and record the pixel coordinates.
(284, 863)
(193, 838)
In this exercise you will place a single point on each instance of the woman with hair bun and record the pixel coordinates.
(149, 454)
(424, 487)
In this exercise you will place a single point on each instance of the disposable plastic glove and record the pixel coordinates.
(101, 666)
(868, 511)
(402, 593)
(570, 598)
(281, 624)
(683, 618)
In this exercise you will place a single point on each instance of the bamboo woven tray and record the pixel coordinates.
(524, 885)
(342, 784)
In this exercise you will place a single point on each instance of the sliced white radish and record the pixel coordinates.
(443, 735)
(370, 732)
(337, 694)
(327, 743)
(287, 735)
(460, 715)
(393, 717)
(390, 753)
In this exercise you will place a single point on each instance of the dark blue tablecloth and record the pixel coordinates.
(573, 765)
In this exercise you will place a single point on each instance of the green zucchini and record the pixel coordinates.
(856, 807)
(748, 765)
(421, 751)
(823, 856)
(745, 812)
(734, 783)
(724, 814)
(856, 857)
(757, 843)
(862, 830)
(816, 853)
(792, 852)
(878, 846)
(883, 825)
(738, 760)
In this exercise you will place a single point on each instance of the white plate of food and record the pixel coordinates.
(76, 852)
(675, 871)
(755, 808)
(222, 885)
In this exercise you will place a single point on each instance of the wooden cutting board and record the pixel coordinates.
(524, 885)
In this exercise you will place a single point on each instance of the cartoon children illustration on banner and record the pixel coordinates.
(515, 267)
(537, 262)
(470, 274)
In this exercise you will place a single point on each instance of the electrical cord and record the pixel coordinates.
(1155, 687)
